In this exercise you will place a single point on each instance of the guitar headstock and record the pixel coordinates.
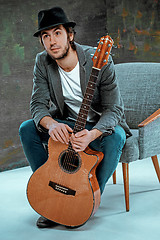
(103, 50)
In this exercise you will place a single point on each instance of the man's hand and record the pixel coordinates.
(60, 132)
(57, 131)
(81, 139)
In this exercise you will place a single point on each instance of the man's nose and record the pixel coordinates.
(52, 40)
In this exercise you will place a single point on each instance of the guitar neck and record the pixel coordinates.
(85, 106)
(100, 59)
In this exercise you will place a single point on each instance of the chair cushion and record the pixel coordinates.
(130, 151)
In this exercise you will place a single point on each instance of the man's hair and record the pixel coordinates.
(68, 30)
(71, 30)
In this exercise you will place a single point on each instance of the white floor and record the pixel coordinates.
(111, 222)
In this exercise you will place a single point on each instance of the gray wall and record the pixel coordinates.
(134, 26)
(18, 49)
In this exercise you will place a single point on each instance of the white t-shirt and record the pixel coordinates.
(72, 91)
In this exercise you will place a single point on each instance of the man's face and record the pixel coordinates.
(56, 42)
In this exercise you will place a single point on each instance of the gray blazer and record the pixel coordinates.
(47, 98)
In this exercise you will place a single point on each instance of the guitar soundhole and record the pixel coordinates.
(69, 161)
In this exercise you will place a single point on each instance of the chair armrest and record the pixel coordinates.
(149, 136)
(151, 118)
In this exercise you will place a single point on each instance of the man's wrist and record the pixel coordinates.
(47, 122)
(95, 133)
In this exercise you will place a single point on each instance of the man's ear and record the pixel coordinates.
(71, 37)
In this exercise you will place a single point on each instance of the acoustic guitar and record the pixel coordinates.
(65, 189)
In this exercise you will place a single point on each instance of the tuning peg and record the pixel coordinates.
(109, 45)
(95, 48)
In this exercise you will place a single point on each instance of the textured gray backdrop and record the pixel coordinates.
(133, 25)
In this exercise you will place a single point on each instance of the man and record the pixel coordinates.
(61, 74)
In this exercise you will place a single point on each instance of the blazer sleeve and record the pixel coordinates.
(40, 99)
(112, 109)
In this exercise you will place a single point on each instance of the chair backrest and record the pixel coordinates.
(140, 89)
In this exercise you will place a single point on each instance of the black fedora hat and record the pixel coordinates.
(51, 18)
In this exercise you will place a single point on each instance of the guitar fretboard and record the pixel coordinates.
(85, 106)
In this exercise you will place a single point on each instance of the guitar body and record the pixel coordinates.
(65, 192)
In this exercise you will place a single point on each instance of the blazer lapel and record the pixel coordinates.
(82, 62)
(83, 79)
(55, 81)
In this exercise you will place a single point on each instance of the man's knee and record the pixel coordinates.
(117, 139)
(120, 135)
(26, 127)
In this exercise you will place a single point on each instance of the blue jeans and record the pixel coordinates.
(33, 145)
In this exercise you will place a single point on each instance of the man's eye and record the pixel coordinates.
(45, 36)
(58, 33)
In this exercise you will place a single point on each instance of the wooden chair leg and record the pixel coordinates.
(156, 166)
(114, 177)
(125, 168)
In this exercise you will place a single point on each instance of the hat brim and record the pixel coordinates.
(69, 24)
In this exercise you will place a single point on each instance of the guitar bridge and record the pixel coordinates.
(62, 189)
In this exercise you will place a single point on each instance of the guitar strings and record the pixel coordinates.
(68, 162)
(71, 156)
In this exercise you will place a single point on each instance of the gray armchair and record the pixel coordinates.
(140, 89)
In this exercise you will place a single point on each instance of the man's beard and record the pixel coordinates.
(64, 54)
